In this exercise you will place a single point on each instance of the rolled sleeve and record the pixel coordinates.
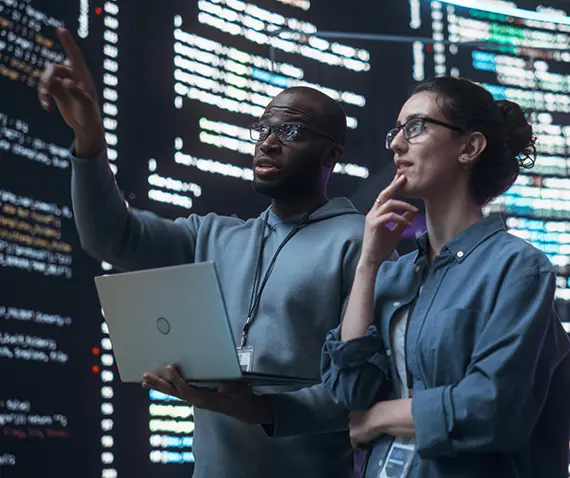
(355, 372)
(429, 410)
(496, 405)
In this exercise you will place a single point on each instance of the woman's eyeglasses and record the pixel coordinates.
(415, 127)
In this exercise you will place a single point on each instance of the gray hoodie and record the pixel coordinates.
(301, 302)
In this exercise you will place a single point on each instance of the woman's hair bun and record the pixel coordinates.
(521, 139)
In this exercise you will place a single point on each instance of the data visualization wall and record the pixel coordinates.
(213, 82)
(522, 55)
(180, 84)
(50, 396)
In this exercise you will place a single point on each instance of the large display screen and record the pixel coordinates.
(180, 83)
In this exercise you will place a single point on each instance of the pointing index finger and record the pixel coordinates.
(72, 51)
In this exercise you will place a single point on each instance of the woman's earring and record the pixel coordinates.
(466, 164)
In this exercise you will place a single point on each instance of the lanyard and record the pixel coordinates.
(259, 285)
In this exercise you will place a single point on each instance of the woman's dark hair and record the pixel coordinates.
(510, 139)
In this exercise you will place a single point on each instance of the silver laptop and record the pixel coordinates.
(176, 315)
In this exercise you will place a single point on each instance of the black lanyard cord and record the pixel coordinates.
(257, 288)
(256, 277)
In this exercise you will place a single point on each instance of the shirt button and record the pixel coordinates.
(418, 268)
(396, 304)
(460, 254)
(389, 352)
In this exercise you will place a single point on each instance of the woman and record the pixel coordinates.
(453, 363)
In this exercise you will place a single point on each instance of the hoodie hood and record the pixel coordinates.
(335, 207)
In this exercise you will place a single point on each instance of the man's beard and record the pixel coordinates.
(301, 184)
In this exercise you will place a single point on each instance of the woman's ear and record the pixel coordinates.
(475, 145)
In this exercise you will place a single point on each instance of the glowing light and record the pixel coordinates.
(173, 426)
(111, 8)
(111, 51)
(106, 424)
(110, 36)
(510, 11)
(107, 458)
(415, 14)
(174, 184)
(230, 21)
(110, 109)
(107, 392)
(110, 80)
(107, 441)
(215, 167)
(174, 411)
(302, 4)
(107, 360)
(170, 198)
(111, 22)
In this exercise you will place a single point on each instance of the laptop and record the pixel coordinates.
(176, 315)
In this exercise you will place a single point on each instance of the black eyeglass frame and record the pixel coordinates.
(423, 120)
(275, 128)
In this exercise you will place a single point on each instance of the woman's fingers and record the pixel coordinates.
(400, 227)
(395, 205)
(390, 190)
(395, 218)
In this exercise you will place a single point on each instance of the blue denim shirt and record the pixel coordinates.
(488, 358)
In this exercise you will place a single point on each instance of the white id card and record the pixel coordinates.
(245, 358)
(400, 456)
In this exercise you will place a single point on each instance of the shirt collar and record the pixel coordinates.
(467, 241)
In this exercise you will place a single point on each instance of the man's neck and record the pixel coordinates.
(287, 208)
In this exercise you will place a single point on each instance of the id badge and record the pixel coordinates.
(399, 460)
(245, 358)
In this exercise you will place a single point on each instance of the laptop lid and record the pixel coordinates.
(169, 315)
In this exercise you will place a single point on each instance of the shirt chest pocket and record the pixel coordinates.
(446, 343)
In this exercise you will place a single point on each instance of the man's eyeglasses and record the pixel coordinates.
(415, 127)
(285, 132)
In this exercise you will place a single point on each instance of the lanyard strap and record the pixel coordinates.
(258, 287)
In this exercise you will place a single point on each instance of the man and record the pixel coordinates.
(285, 274)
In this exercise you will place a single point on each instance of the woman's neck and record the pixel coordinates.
(447, 217)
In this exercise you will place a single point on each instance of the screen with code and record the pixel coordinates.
(180, 84)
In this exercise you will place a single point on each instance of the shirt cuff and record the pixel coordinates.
(101, 156)
(430, 421)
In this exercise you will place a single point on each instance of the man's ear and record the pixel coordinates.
(333, 156)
